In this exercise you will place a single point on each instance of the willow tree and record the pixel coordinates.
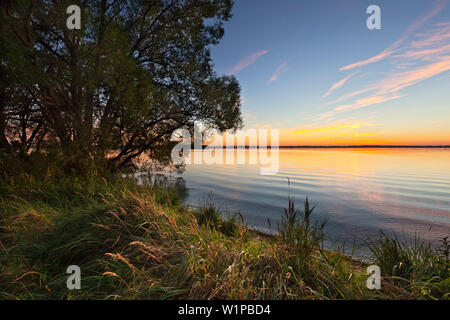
(118, 87)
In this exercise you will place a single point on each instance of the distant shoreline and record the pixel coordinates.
(334, 147)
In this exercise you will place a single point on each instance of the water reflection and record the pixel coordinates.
(165, 180)
(358, 191)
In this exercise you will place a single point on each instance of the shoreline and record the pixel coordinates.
(264, 234)
(334, 147)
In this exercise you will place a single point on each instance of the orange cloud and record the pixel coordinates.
(332, 128)
(358, 104)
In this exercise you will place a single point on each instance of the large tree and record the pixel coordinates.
(118, 87)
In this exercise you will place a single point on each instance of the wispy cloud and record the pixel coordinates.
(442, 33)
(388, 88)
(425, 54)
(424, 57)
(429, 45)
(401, 80)
(338, 84)
(437, 8)
(333, 127)
(368, 101)
(378, 57)
(278, 71)
(247, 61)
(346, 97)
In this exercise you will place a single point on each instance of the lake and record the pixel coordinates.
(359, 191)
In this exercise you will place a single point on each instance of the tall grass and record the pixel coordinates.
(139, 242)
(418, 266)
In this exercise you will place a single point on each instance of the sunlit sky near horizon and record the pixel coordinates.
(315, 71)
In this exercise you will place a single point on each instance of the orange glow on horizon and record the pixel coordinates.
(341, 134)
(354, 134)
(367, 138)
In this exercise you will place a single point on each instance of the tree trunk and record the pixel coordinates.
(4, 143)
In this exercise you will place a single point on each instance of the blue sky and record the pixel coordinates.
(315, 71)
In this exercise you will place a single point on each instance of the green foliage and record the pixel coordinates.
(116, 89)
(418, 265)
(297, 229)
(212, 217)
(137, 242)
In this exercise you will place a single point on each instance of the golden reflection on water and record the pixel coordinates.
(354, 161)
(360, 190)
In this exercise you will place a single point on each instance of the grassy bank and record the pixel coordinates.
(139, 242)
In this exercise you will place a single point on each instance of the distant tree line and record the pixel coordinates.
(117, 88)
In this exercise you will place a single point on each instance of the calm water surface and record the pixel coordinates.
(358, 191)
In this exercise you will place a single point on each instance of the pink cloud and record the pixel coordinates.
(368, 101)
(346, 97)
(438, 7)
(338, 84)
(374, 59)
(388, 89)
(278, 71)
(425, 54)
(247, 61)
(408, 78)
(431, 47)
(438, 34)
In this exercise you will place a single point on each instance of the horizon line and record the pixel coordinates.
(331, 146)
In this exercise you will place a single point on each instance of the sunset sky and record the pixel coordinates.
(313, 70)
